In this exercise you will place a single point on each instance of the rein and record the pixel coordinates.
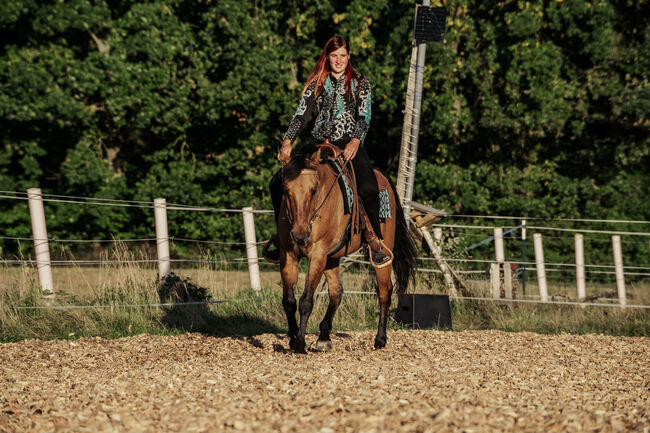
(336, 179)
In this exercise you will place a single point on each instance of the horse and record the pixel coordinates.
(312, 225)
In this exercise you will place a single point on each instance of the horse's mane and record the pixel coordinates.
(297, 164)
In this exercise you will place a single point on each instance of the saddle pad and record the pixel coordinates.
(384, 198)
(346, 190)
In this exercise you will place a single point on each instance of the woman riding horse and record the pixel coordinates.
(342, 99)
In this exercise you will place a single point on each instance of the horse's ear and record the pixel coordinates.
(315, 158)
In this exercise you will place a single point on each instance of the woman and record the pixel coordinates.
(342, 99)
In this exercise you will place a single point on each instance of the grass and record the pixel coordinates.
(109, 288)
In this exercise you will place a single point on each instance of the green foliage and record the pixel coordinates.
(536, 108)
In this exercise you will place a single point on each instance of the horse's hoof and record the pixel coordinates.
(323, 346)
(380, 343)
(297, 346)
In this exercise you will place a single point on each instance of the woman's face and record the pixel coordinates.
(339, 60)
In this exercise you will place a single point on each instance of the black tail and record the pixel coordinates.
(405, 261)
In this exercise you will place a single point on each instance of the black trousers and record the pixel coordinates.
(366, 184)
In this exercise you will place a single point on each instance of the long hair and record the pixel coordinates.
(322, 69)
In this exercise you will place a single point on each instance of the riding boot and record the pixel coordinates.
(380, 255)
(272, 256)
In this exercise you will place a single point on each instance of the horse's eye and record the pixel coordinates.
(313, 191)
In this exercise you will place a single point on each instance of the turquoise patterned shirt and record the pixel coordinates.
(341, 116)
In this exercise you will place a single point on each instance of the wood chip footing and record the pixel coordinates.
(423, 381)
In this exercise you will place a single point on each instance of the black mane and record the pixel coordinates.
(298, 163)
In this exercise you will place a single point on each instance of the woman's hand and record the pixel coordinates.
(351, 149)
(284, 155)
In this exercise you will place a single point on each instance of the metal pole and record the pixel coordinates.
(618, 265)
(251, 249)
(41, 244)
(539, 263)
(523, 257)
(580, 266)
(415, 127)
(162, 237)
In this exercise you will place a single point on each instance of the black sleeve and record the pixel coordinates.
(303, 113)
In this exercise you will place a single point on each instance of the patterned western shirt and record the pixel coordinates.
(341, 116)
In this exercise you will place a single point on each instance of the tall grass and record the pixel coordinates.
(113, 290)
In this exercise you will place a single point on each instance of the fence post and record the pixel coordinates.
(523, 257)
(618, 265)
(495, 280)
(498, 245)
(162, 237)
(580, 267)
(437, 252)
(539, 264)
(251, 249)
(41, 244)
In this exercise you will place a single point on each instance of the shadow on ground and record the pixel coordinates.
(200, 318)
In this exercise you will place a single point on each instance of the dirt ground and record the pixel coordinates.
(424, 381)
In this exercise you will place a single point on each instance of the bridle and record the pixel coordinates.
(322, 203)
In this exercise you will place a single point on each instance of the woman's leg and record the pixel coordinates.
(367, 188)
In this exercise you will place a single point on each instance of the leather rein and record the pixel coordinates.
(337, 155)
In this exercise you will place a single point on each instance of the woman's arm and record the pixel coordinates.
(364, 110)
(303, 113)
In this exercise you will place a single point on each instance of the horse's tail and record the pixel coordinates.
(405, 260)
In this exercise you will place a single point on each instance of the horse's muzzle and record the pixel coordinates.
(300, 238)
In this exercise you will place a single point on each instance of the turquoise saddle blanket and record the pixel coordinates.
(348, 193)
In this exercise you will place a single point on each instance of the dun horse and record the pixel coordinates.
(312, 224)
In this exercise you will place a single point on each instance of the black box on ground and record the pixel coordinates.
(423, 311)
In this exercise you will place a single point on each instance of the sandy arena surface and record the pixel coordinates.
(424, 381)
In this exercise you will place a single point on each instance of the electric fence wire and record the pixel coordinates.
(221, 301)
(118, 240)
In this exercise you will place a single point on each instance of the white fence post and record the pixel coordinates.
(539, 264)
(251, 249)
(618, 265)
(162, 237)
(41, 244)
(580, 266)
(495, 280)
(498, 245)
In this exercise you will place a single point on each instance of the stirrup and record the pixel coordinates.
(271, 256)
(383, 259)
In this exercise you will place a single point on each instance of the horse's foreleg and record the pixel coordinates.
(314, 274)
(336, 293)
(384, 292)
(289, 272)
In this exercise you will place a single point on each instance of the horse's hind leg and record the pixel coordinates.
(336, 293)
(384, 292)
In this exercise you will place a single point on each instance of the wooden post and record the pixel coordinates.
(580, 267)
(437, 253)
(41, 244)
(618, 265)
(251, 249)
(539, 264)
(495, 280)
(498, 245)
(507, 277)
(162, 237)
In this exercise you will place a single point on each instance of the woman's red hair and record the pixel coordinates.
(322, 69)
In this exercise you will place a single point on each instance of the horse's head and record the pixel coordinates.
(300, 181)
